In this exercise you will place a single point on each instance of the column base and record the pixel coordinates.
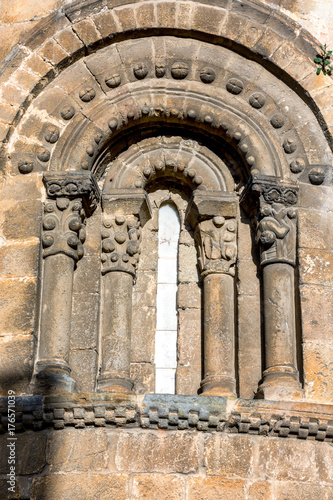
(218, 386)
(52, 378)
(114, 384)
(280, 383)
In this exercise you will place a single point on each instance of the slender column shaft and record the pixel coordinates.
(116, 332)
(219, 334)
(56, 313)
(280, 378)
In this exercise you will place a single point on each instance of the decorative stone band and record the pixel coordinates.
(201, 413)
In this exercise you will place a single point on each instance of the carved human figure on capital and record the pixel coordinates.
(217, 245)
(276, 232)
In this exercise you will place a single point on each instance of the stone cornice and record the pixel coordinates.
(210, 414)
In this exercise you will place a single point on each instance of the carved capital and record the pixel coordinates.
(63, 228)
(266, 189)
(73, 185)
(273, 205)
(217, 248)
(121, 236)
(276, 234)
(125, 212)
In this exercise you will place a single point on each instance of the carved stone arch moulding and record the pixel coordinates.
(188, 86)
(182, 160)
(258, 31)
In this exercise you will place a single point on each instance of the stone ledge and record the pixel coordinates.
(268, 418)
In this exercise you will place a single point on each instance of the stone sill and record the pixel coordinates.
(172, 412)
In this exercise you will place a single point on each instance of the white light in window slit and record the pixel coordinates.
(166, 302)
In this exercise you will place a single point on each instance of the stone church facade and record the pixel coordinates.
(166, 251)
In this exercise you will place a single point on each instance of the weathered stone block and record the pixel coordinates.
(85, 319)
(22, 219)
(106, 23)
(188, 379)
(260, 490)
(248, 275)
(188, 269)
(297, 491)
(189, 296)
(324, 461)
(84, 368)
(167, 452)
(229, 455)
(208, 19)
(316, 267)
(296, 460)
(52, 52)
(18, 302)
(158, 487)
(18, 260)
(87, 275)
(184, 15)
(189, 338)
(77, 450)
(145, 289)
(37, 65)
(126, 18)
(69, 41)
(87, 32)
(166, 14)
(143, 334)
(318, 366)
(87, 486)
(315, 229)
(143, 376)
(213, 488)
(315, 300)
(30, 453)
(16, 366)
(145, 15)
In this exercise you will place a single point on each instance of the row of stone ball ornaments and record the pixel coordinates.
(169, 166)
(120, 241)
(64, 227)
(179, 71)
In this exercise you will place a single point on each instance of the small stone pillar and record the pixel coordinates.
(70, 197)
(216, 231)
(124, 215)
(276, 235)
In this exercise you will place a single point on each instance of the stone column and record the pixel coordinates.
(70, 197)
(124, 215)
(276, 235)
(217, 256)
(216, 240)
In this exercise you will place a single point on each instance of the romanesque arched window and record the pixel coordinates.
(228, 152)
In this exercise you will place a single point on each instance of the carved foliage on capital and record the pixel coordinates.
(63, 228)
(121, 236)
(216, 239)
(276, 234)
(72, 185)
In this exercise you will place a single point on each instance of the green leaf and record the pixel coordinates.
(326, 62)
(330, 52)
(317, 60)
(318, 71)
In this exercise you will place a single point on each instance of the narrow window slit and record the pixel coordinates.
(167, 320)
